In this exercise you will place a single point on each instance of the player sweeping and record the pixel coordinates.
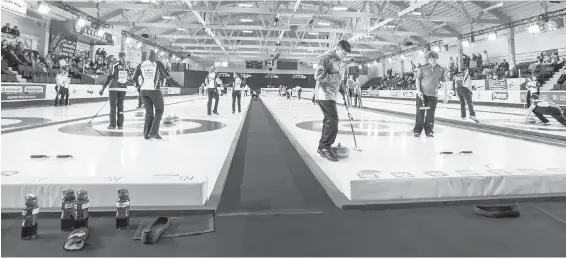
(117, 79)
(150, 76)
(330, 75)
(541, 107)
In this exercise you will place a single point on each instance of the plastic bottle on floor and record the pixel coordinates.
(123, 209)
(30, 217)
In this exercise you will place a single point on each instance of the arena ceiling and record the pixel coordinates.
(302, 30)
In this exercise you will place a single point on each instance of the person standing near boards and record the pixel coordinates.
(62, 85)
(358, 93)
(429, 80)
(462, 87)
(117, 78)
(212, 91)
(236, 93)
(330, 75)
(153, 76)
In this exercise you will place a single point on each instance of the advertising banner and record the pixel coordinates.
(16, 6)
(62, 45)
(479, 84)
(22, 91)
(516, 83)
(558, 97)
(497, 85)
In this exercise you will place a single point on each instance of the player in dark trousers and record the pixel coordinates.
(237, 92)
(429, 80)
(153, 76)
(330, 76)
(117, 78)
(462, 87)
(358, 93)
(212, 91)
(62, 85)
(541, 107)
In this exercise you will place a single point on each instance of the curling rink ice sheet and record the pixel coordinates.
(29, 117)
(508, 117)
(178, 171)
(395, 167)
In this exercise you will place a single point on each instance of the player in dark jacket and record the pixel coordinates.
(153, 76)
(117, 79)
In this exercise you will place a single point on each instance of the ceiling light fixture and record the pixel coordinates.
(245, 5)
(324, 23)
(340, 8)
(246, 20)
(247, 31)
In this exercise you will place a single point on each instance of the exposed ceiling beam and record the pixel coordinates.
(289, 12)
(255, 46)
(112, 14)
(504, 18)
(261, 27)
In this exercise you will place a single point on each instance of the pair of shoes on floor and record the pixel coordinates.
(498, 211)
(154, 230)
(114, 128)
(429, 135)
(328, 154)
(157, 136)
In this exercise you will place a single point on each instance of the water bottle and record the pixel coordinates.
(30, 217)
(67, 210)
(81, 209)
(123, 209)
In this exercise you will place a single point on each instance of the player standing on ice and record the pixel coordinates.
(330, 75)
(117, 79)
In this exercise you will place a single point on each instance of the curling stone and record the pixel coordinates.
(531, 120)
(175, 118)
(140, 113)
(168, 120)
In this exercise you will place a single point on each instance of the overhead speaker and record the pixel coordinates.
(408, 43)
(145, 35)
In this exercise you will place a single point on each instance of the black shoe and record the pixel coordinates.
(233, 112)
(157, 136)
(146, 137)
(111, 127)
(209, 114)
(216, 113)
(328, 154)
(431, 135)
(417, 135)
(120, 127)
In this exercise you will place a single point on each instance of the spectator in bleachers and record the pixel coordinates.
(562, 78)
(480, 60)
(11, 57)
(485, 56)
(15, 31)
(504, 66)
(5, 68)
(48, 61)
(540, 58)
(6, 28)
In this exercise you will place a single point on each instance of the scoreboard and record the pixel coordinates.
(254, 64)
